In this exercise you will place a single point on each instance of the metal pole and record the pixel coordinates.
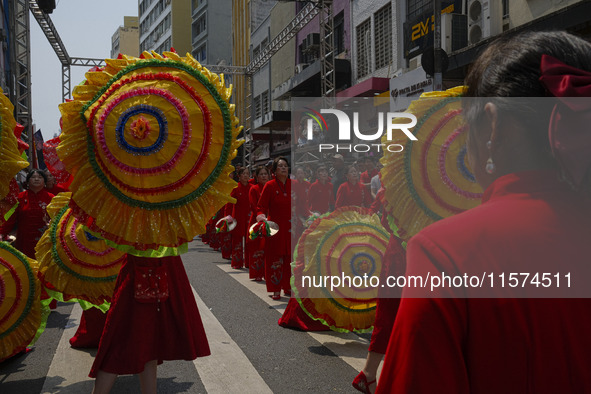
(437, 77)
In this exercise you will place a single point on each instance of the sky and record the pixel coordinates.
(85, 27)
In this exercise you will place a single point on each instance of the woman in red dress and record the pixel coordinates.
(353, 192)
(320, 196)
(240, 213)
(275, 205)
(300, 187)
(30, 218)
(534, 163)
(153, 304)
(256, 247)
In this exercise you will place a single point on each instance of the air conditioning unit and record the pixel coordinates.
(484, 19)
(312, 39)
(300, 67)
(454, 32)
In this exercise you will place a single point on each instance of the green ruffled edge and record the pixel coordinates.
(8, 214)
(162, 251)
(210, 180)
(104, 307)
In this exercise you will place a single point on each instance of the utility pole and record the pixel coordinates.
(437, 75)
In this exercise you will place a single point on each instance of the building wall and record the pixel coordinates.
(126, 39)
(314, 27)
(524, 11)
(240, 52)
(283, 62)
(362, 11)
(165, 24)
(181, 26)
(261, 80)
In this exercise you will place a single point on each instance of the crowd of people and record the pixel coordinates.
(289, 199)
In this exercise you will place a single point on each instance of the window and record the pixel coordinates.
(415, 8)
(257, 107)
(201, 53)
(265, 102)
(383, 36)
(363, 41)
(199, 26)
(505, 9)
(339, 33)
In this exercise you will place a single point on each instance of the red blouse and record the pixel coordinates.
(357, 195)
(241, 209)
(30, 219)
(275, 203)
(528, 222)
(321, 197)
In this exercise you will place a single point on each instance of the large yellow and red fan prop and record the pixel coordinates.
(21, 313)
(11, 161)
(149, 142)
(431, 178)
(74, 263)
(346, 246)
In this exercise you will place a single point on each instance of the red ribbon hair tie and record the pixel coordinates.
(568, 131)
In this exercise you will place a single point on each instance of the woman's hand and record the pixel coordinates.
(261, 217)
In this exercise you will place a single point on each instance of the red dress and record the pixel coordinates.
(140, 329)
(366, 176)
(31, 220)
(356, 195)
(275, 203)
(240, 212)
(320, 197)
(255, 247)
(529, 221)
(300, 192)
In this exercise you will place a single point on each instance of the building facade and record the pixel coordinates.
(126, 39)
(211, 33)
(165, 24)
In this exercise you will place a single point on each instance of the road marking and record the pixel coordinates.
(227, 370)
(69, 366)
(350, 347)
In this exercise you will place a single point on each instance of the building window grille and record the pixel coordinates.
(383, 36)
(415, 8)
(363, 40)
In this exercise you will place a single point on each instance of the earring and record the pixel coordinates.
(490, 167)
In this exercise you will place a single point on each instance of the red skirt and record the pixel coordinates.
(141, 329)
(295, 317)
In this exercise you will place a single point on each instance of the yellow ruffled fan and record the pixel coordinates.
(149, 142)
(22, 316)
(431, 178)
(11, 161)
(73, 262)
(347, 247)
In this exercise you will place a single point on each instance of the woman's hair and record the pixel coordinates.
(241, 170)
(36, 171)
(261, 168)
(510, 67)
(277, 160)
